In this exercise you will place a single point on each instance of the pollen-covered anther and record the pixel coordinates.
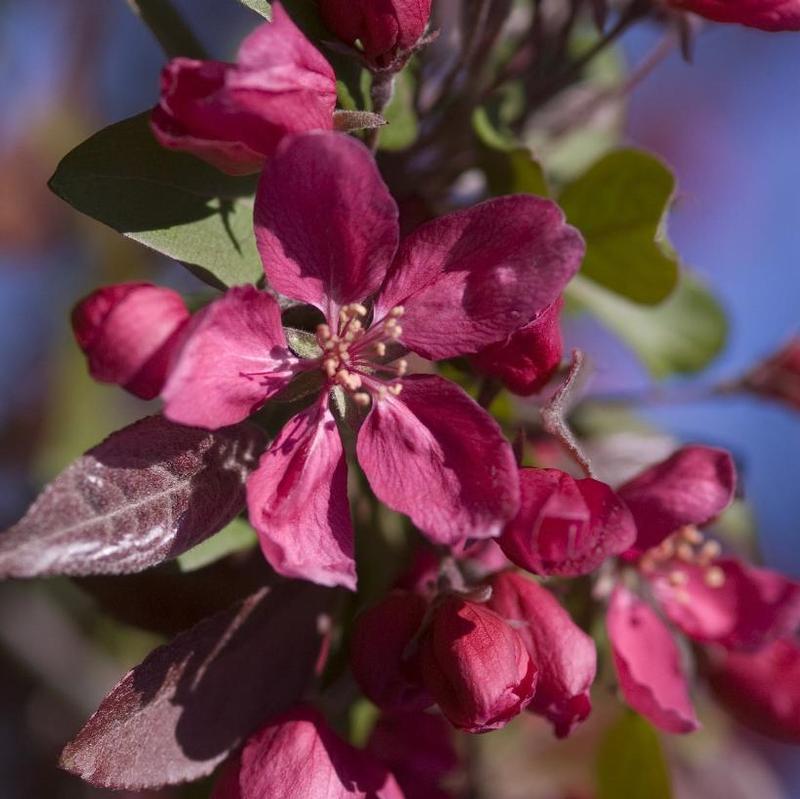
(380, 349)
(361, 398)
(677, 577)
(715, 577)
(691, 547)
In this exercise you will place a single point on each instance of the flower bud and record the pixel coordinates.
(386, 29)
(380, 656)
(768, 15)
(565, 654)
(761, 689)
(778, 377)
(566, 526)
(128, 333)
(234, 116)
(529, 357)
(475, 666)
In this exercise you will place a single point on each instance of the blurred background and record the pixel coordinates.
(727, 124)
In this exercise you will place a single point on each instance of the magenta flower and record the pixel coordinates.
(235, 115)
(768, 15)
(778, 376)
(128, 333)
(298, 755)
(565, 655)
(327, 231)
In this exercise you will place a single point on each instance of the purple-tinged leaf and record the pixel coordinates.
(190, 703)
(147, 493)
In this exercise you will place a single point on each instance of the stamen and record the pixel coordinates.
(361, 398)
(677, 577)
(715, 577)
(402, 367)
(380, 349)
(395, 389)
(397, 311)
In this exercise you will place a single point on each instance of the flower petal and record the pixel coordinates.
(471, 278)
(326, 225)
(297, 500)
(748, 609)
(565, 526)
(768, 15)
(692, 486)
(648, 664)
(437, 456)
(233, 359)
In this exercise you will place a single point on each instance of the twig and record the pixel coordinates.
(168, 26)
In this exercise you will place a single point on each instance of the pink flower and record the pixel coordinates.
(768, 15)
(528, 358)
(475, 665)
(128, 333)
(235, 115)
(565, 526)
(327, 232)
(778, 376)
(298, 755)
(565, 655)
(380, 652)
(761, 689)
(386, 29)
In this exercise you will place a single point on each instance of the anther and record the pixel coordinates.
(402, 367)
(691, 534)
(361, 398)
(324, 332)
(710, 551)
(397, 311)
(330, 367)
(685, 552)
(395, 389)
(380, 349)
(677, 578)
(715, 577)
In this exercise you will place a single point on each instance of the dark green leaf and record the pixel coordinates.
(630, 762)
(680, 336)
(261, 7)
(619, 205)
(169, 201)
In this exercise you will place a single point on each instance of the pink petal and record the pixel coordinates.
(751, 607)
(566, 656)
(528, 358)
(298, 755)
(768, 15)
(437, 456)
(471, 278)
(326, 225)
(648, 664)
(128, 333)
(565, 526)
(692, 486)
(233, 359)
(297, 500)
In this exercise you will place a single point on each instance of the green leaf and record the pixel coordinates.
(401, 129)
(680, 336)
(619, 205)
(171, 202)
(238, 535)
(510, 168)
(261, 7)
(631, 763)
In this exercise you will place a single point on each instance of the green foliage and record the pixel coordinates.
(680, 336)
(238, 535)
(619, 205)
(171, 202)
(261, 7)
(631, 763)
(401, 129)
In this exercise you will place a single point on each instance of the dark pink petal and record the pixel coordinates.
(471, 278)
(128, 333)
(475, 666)
(692, 486)
(192, 702)
(768, 15)
(235, 115)
(761, 689)
(528, 358)
(566, 656)
(298, 755)
(565, 526)
(745, 608)
(778, 376)
(437, 456)
(326, 225)
(297, 499)
(648, 664)
(379, 651)
(233, 359)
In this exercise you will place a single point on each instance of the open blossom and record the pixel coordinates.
(564, 654)
(128, 333)
(298, 755)
(768, 15)
(778, 377)
(387, 30)
(475, 665)
(327, 231)
(235, 115)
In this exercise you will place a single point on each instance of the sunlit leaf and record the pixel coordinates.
(401, 129)
(238, 535)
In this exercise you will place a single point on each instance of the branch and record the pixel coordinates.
(168, 26)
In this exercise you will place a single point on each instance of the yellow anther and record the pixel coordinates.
(395, 332)
(402, 367)
(685, 552)
(691, 534)
(397, 311)
(324, 332)
(361, 398)
(677, 578)
(715, 577)
(710, 551)
(380, 349)
(359, 309)
(395, 389)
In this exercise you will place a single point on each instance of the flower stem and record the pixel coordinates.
(169, 27)
(381, 95)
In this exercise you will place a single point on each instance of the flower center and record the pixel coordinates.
(353, 356)
(687, 545)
